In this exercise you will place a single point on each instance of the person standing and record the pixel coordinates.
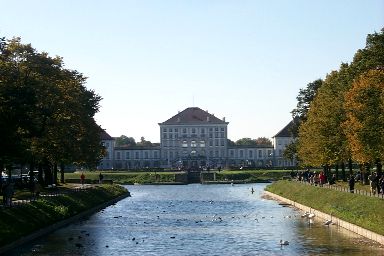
(101, 177)
(372, 180)
(82, 179)
(352, 184)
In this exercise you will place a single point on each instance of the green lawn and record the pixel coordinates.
(364, 211)
(16, 222)
(128, 177)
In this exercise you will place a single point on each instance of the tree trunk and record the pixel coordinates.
(337, 171)
(343, 175)
(62, 173)
(54, 174)
(365, 173)
(379, 168)
(40, 175)
(31, 174)
(350, 166)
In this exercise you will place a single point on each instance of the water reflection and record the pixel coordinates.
(198, 220)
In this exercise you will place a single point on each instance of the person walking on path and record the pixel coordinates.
(352, 184)
(82, 179)
(372, 182)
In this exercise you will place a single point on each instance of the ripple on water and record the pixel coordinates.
(197, 220)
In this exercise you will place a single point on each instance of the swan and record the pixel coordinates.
(328, 222)
(311, 215)
(305, 215)
(284, 242)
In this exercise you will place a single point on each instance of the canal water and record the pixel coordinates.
(199, 220)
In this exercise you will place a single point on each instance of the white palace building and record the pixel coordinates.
(195, 139)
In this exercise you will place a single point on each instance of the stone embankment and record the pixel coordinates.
(349, 226)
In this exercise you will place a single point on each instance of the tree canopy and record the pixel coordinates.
(343, 121)
(46, 112)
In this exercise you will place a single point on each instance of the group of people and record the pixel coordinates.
(82, 178)
(315, 178)
(376, 183)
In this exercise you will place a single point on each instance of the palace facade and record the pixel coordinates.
(195, 139)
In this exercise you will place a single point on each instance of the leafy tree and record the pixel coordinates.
(124, 141)
(230, 142)
(364, 125)
(47, 110)
(144, 143)
(263, 141)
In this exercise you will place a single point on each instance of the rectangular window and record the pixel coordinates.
(155, 154)
(127, 155)
(250, 154)
(164, 129)
(202, 144)
(216, 143)
(118, 155)
(260, 153)
(137, 155)
(232, 153)
(241, 153)
(146, 155)
(210, 143)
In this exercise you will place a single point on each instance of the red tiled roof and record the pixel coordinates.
(194, 115)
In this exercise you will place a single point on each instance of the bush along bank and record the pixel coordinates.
(18, 222)
(363, 211)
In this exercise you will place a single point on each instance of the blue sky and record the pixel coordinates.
(243, 60)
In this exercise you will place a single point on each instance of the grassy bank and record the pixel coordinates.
(364, 211)
(19, 221)
(252, 175)
(128, 177)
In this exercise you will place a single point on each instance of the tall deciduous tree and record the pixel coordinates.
(364, 125)
(46, 112)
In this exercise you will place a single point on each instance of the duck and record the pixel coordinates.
(284, 242)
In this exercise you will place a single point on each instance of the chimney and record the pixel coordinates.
(208, 119)
(223, 119)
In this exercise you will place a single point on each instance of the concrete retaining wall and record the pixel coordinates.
(349, 226)
(60, 224)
